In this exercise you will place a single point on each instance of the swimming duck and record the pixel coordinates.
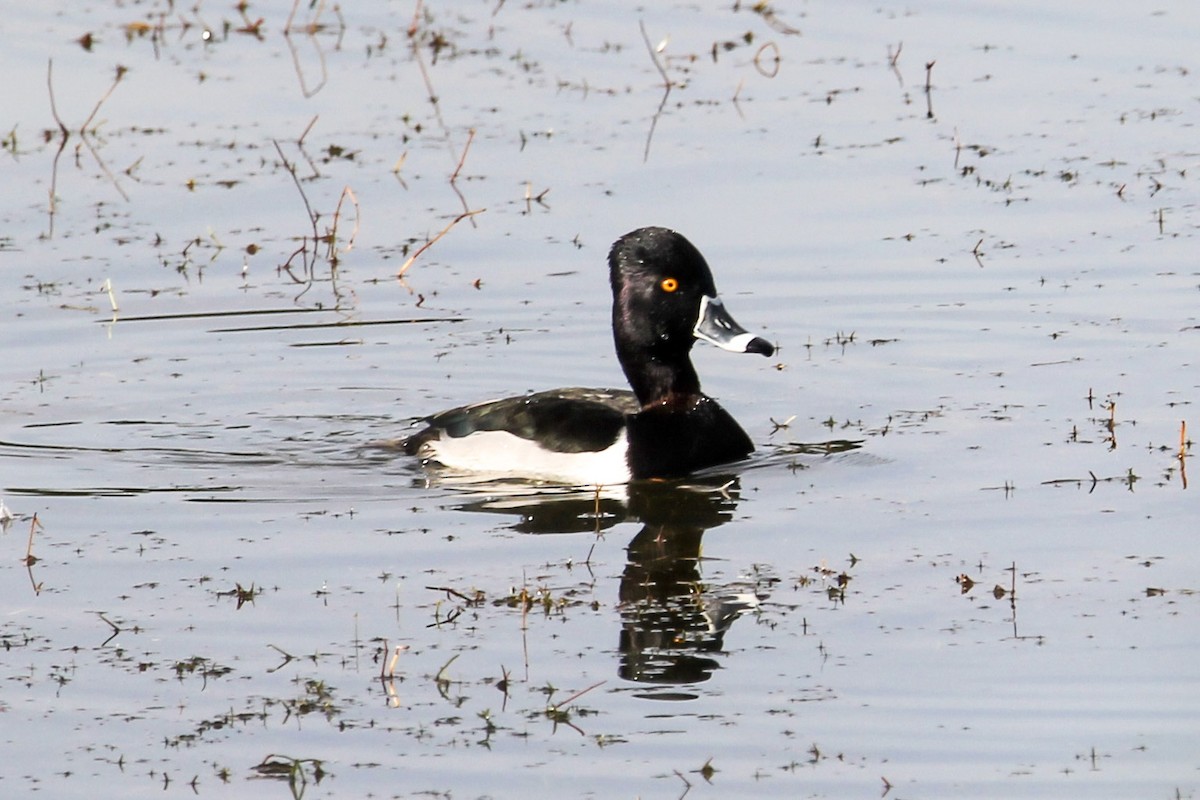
(664, 299)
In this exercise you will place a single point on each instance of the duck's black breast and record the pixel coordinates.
(673, 439)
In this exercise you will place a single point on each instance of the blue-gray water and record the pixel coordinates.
(999, 300)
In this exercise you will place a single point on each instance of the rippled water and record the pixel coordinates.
(988, 286)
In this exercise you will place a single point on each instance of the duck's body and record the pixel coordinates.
(574, 435)
(663, 300)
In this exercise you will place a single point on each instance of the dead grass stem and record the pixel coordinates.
(404, 267)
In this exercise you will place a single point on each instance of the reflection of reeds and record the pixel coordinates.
(84, 136)
(112, 297)
(894, 62)
(415, 25)
(309, 29)
(668, 84)
(929, 89)
(1184, 446)
(558, 713)
(30, 558)
(387, 673)
(293, 770)
(329, 238)
(116, 629)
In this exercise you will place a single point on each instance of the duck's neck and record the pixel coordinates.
(662, 380)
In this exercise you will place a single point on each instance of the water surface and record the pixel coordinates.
(990, 284)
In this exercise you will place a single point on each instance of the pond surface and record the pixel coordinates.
(962, 563)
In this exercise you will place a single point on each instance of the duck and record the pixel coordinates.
(665, 427)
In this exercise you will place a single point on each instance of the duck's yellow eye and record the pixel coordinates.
(669, 284)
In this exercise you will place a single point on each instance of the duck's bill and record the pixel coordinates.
(715, 325)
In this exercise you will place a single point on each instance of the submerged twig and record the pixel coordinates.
(388, 670)
(576, 696)
(112, 297)
(765, 11)
(310, 31)
(668, 84)
(775, 61)
(894, 62)
(96, 109)
(316, 173)
(53, 106)
(452, 592)
(30, 558)
(431, 242)
(387, 674)
(329, 238)
(287, 657)
(65, 135)
(116, 630)
(291, 169)
(462, 159)
(312, 219)
(1129, 479)
(287, 26)
(415, 25)
(337, 215)
(458, 168)
(1184, 444)
(440, 680)
(558, 713)
(929, 89)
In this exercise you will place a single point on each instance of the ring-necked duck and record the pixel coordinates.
(663, 300)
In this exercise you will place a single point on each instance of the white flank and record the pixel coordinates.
(504, 455)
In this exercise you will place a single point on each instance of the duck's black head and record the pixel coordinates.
(664, 298)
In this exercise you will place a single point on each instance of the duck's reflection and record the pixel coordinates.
(672, 620)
